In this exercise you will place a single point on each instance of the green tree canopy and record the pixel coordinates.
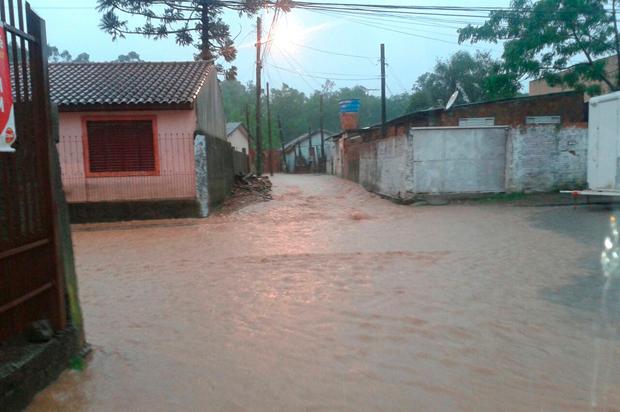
(300, 112)
(477, 78)
(191, 22)
(544, 37)
(82, 58)
(54, 55)
(132, 56)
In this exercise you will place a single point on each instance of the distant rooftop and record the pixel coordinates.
(138, 83)
(288, 146)
(231, 127)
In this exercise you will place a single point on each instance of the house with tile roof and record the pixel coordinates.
(127, 130)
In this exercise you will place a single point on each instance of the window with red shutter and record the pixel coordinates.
(121, 146)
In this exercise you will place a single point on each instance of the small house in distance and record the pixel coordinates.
(127, 134)
(238, 136)
(303, 154)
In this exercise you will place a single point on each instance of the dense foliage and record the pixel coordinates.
(191, 22)
(300, 112)
(477, 78)
(544, 37)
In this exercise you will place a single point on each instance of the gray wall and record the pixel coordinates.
(210, 116)
(466, 160)
(547, 158)
(241, 165)
(459, 160)
(215, 171)
(386, 166)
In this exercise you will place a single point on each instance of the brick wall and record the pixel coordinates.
(510, 112)
(569, 106)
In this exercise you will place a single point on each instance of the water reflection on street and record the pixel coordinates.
(330, 298)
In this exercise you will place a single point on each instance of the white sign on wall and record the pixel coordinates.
(476, 121)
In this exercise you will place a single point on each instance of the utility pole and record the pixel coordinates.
(282, 143)
(383, 104)
(247, 126)
(259, 66)
(269, 131)
(323, 162)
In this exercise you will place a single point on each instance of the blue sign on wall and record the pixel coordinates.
(350, 106)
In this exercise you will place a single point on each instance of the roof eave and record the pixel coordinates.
(107, 107)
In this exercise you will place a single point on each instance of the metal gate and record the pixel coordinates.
(31, 277)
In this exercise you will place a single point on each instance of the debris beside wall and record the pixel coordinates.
(258, 185)
(247, 190)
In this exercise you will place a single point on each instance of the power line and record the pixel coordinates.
(322, 77)
(332, 52)
(398, 81)
(365, 23)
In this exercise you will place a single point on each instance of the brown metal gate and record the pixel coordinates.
(31, 283)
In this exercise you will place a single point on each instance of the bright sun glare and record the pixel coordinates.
(286, 36)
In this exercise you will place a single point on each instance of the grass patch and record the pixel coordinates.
(77, 363)
(502, 197)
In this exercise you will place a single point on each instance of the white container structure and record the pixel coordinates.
(604, 143)
(603, 147)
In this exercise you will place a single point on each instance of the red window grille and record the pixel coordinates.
(121, 147)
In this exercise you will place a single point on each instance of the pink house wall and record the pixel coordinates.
(176, 179)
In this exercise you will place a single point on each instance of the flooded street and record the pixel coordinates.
(329, 298)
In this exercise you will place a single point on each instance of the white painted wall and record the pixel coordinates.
(459, 160)
(239, 141)
(386, 167)
(603, 147)
(470, 160)
(546, 158)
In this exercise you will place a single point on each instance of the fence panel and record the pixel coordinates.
(176, 178)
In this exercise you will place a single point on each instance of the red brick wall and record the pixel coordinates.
(569, 106)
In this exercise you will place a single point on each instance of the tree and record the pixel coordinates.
(82, 58)
(132, 56)
(54, 55)
(546, 37)
(191, 22)
(477, 78)
(300, 112)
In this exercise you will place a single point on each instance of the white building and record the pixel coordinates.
(238, 136)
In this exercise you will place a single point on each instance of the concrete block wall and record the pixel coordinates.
(546, 158)
(386, 166)
(241, 163)
(466, 160)
(459, 160)
(215, 172)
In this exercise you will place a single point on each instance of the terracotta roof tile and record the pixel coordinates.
(80, 84)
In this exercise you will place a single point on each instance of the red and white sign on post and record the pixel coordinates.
(7, 114)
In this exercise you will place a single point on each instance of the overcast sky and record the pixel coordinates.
(411, 47)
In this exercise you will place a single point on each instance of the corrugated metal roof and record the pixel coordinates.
(138, 83)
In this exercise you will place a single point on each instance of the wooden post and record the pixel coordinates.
(248, 128)
(323, 158)
(282, 144)
(383, 98)
(269, 153)
(259, 143)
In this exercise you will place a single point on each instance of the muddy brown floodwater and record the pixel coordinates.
(329, 298)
